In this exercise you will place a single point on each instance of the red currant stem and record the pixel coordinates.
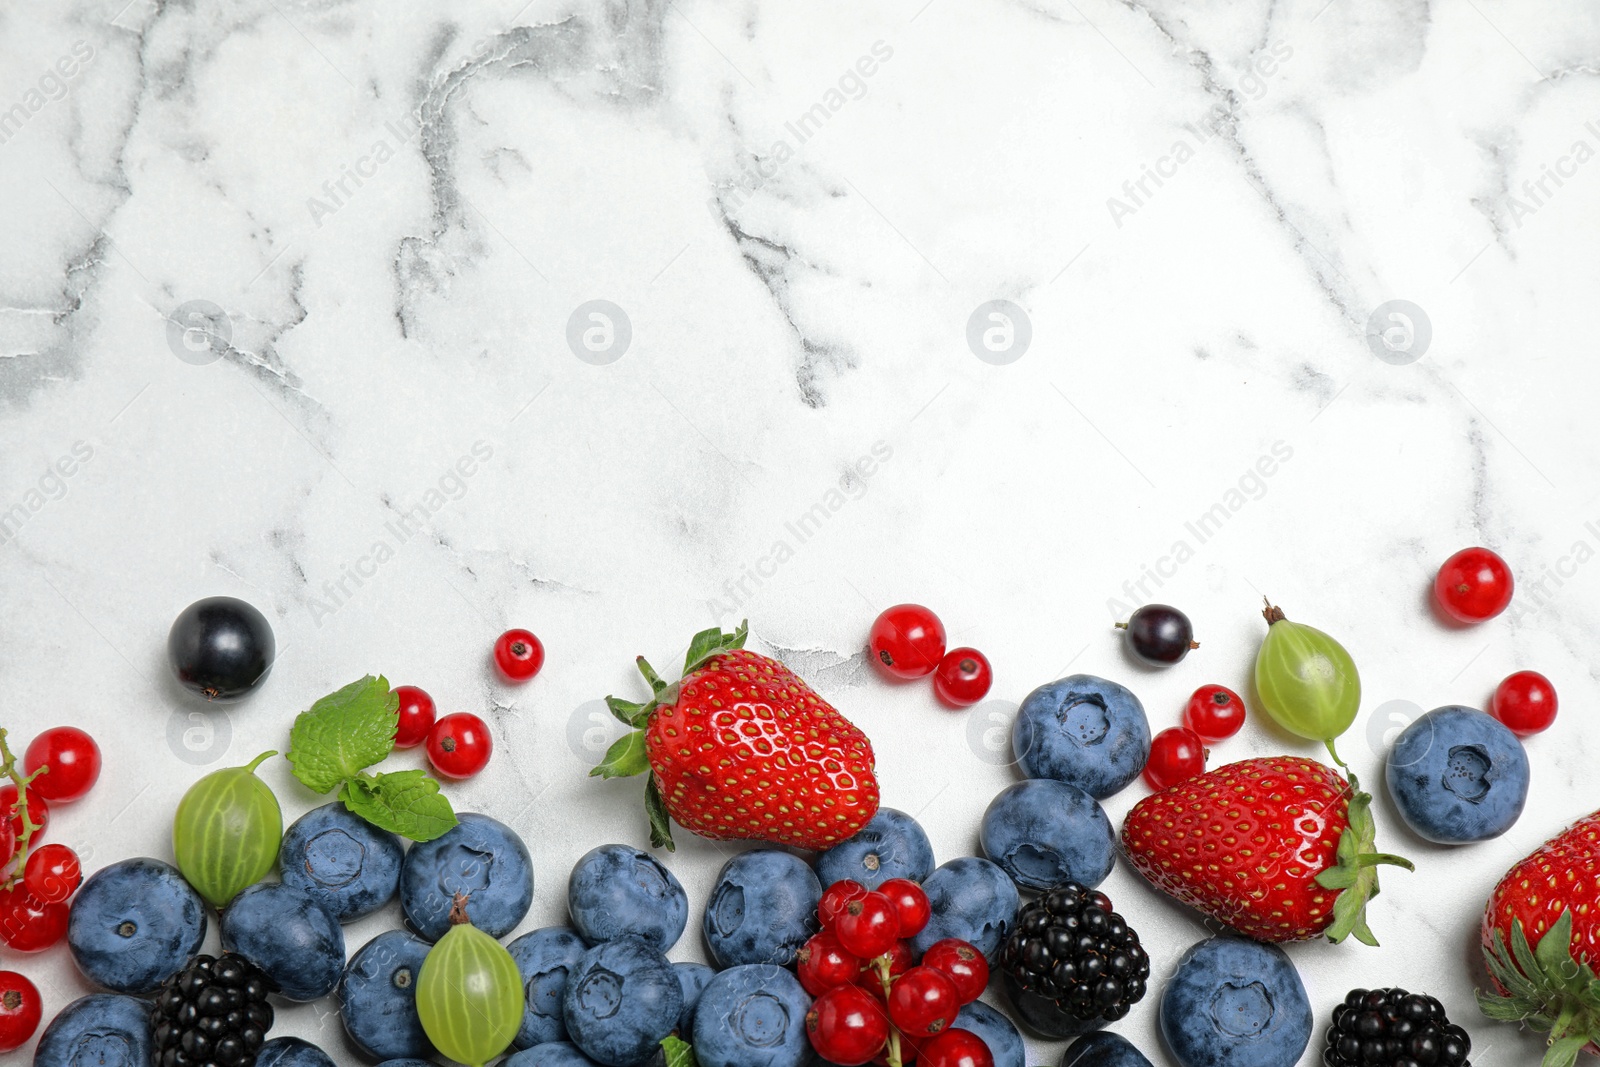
(881, 964)
(8, 767)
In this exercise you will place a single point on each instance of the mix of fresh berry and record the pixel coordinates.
(868, 954)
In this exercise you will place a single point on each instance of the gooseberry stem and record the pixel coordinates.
(8, 768)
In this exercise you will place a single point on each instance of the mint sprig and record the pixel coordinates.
(333, 743)
(677, 1052)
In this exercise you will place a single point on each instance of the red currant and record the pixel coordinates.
(846, 1026)
(1525, 702)
(20, 1010)
(835, 897)
(911, 908)
(38, 810)
(957, 1048)
(52, 874)
(518, 655)
(416, 716)
(30, 925)
(901, 959)
(8, 842)
(823, 963)
(923, 1002)
(459, 745)
(962, 963)
(868, 926)
(1215, 712)
(1473, 585)
(1176, 753)
(907, 641)
(73, 759)
(963, 677)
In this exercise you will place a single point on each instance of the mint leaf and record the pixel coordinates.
(678, 1052)
(407, 803)
(343, 733)
(625, 758)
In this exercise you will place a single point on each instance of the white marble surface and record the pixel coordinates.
(514, 164)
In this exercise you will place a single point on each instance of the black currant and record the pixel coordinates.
(1159, 635)
(221, 648)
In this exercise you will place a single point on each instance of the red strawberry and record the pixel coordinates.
(740, 747)
(1541, 940)
(1280, 848)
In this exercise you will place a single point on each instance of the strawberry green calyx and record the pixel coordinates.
(1546, 988)
(1355, 874)
(627, 756)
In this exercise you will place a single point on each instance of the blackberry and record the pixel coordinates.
(213, 1013)
(1394, 1028)
(1071, 964)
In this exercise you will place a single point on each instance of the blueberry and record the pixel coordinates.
(752, 1016)
(616, 890)
(1235, 1003)
(134, 924)
(998, 1032)
(1043, 833)
(287, 934)
(892, 845)
(549, 1054)
(1084, 731)
(971, 899)
(102, 1029)
(621, 1000)
(349, 866)
(762, 909)
(292, 1052)
(1458, 775)
(480, 857)
(1102, 1049)
(407, 1061)
(693, 978)
(378, 997)
(544, 958)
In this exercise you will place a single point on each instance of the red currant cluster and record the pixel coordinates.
(907, 641)
(1473, 585)
(459, 745)
(1214, 713)
(875, 1002)
(36, 881)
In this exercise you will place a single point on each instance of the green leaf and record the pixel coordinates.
(1564, 1053)
(660, 825)
(343, 733)
(625, 758)
(628, 713)
(678, 1052)
(708, 643)
(407, 803)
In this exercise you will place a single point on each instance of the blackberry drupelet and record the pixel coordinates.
(1071, 964)
(1394, 1028)
(213, 1013)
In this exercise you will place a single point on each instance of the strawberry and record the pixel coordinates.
(1279, 848)
(740, 747)
(1541, 940)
